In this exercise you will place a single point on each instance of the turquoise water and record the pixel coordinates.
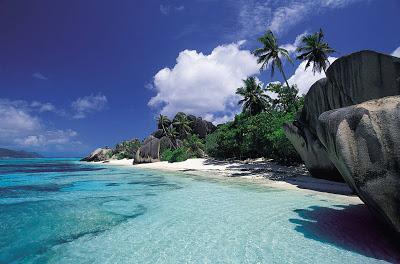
(64, 211)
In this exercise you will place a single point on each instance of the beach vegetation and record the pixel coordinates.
(315, 51)
(271, 54)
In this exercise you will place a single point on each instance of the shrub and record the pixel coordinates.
(261, 135)
(166, 155)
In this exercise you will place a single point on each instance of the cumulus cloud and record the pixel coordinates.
(21, 127)
(204, 84)
(256, 16)
(39, 76)
(396, 52)
(305, 78)
(87, 105)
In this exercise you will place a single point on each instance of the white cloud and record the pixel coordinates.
(180, 8)
(204, 84)
(43, 107)
(166, 9)
(39, 76)
(305, 78)
(88, 104)
(49, 137)
(291, 47)
(256, 16)
(288, 16)
(396, 52)
(20, 127)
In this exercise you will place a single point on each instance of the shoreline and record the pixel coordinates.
(266, 173)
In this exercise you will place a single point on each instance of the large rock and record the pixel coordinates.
(149, 151)
(126, 149)
(363, 143)
(199, 127)
(100, 154)
(352, 79)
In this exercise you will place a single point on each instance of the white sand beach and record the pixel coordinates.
(259, 171)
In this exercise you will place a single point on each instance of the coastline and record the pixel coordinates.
(266, 173)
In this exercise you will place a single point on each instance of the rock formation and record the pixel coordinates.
(362, 141)
(157, 142)
(349, 129)
(350, 80)
(100, 154)
(149, 151)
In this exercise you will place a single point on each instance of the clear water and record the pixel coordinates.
(64, 211)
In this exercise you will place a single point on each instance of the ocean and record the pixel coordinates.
(65, 211)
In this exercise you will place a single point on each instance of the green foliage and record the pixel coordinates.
(315, 51)
(270, 54)
(287, 99)
(163, 122)
(254, 99)
(182, 125)
(166, 155)
(259, 135)
(126, 149)
(193, 147)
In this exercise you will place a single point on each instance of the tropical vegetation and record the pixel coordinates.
(270, 54)
(258, 130)
(315, 51)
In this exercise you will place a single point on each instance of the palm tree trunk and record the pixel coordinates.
(284, 77)
(324, 71)
(166, 134)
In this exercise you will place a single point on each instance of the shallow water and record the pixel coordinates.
(64, 211)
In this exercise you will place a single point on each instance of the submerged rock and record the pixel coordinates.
(363, 143)
(100, 154)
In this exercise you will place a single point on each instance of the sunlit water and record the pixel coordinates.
(64, 211)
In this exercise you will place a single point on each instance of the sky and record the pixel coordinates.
(76, 75)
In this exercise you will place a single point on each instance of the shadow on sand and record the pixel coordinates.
(295, 175)
(351, 228)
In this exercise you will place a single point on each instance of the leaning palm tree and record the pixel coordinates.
(271, 53)
(315, 51)
(254, 99)
(171, 134)
(182, 124)
(163, 122)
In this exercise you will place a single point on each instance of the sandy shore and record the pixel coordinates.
(263, 172)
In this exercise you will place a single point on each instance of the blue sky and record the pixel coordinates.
(75, 74)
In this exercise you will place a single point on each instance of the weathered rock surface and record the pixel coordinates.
(352, 79)
(363, 143)
(126, 149)
(149, 151)
(199, 127)
(159, 133)
(100, 154)
(312, 152)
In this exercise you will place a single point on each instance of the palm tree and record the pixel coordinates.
(171, 134)
(314, 50)
(271, 52)
(254, 99)
(182, 124)
(164, 123)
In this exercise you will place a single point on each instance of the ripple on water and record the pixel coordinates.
(120, 215)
